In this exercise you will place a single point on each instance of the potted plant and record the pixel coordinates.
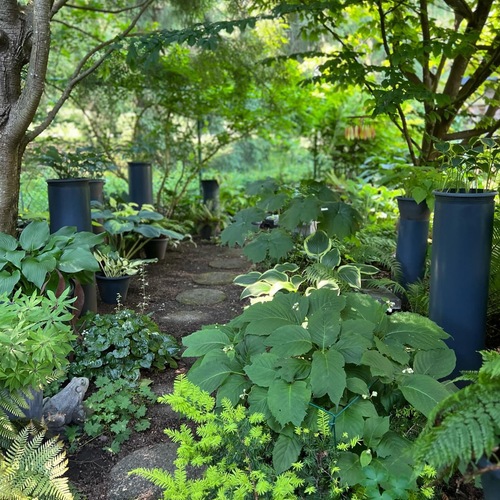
(463, 428)
(39, 261)
(114, 278)
(461, 246)
(208, 219)
(415, 206)
(128, 229)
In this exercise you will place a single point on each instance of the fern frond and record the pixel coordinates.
(465, 425)
(32, 468)
(10, 404)
(384, 284)
(417, 295)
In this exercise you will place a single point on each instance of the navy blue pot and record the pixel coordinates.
(413, 233)
(210, 189)
(69, 205)
(140, 183)
(109, 288)
(460, 266)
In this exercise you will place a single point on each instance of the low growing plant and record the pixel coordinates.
(234, 447)
(119, 344)
(118, 407)
(295, 356)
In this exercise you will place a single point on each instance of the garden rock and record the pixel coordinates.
(214, 278)
(66, 406)
(231, 263)
(123, 486)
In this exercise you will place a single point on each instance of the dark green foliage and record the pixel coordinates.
(117, 407)
(120, 344)
(465, 425)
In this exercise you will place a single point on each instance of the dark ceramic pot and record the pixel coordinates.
(156, 248)
(110, 288)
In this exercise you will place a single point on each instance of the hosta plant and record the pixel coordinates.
(294, 356)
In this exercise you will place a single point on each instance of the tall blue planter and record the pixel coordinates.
(69, 205)
(460, 265)
(140, 183)
(210, 190)
(413, 233)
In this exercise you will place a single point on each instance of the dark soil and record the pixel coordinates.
(90, 465)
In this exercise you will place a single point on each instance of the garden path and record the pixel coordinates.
(192, 287)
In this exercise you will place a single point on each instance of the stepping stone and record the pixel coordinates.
(187, 317)
(201, 297)
(214, 278)
(232, 263)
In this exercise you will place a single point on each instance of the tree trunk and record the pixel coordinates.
(24, 40)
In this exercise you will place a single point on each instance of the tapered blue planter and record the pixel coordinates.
(110, 288)
(460, 266)
(413, 233)
(210, 189)
(140, 183)
(69, 205)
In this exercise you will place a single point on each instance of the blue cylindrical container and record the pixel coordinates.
(413, 233)
(140, 183)
(460, 266)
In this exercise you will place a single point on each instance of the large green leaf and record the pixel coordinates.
(273, 203)
(299, 211)
(7, 242)
(292, 369)
(286, 451)
(317, 244)
(351, 421)
(148, 231)
(256, 290)
(328, 375)
(396, 352)
(275, 245)
(34, 236)
(262, 371)
(149, 215)
(339, 219)
(437, 363)
(36, 270)
(350, 472)
(375, 428)
(274, 276)
(379, 365)
(233, 388)
(203, 341)
(8, 281)
(288, 402)
(415, 331)
(284, 309)
(115, 227)
(248, 278)
(361, 306)
(331, 259)
(244, 224)
(327, 300)
(352, 346)
(289, 340)
(351, 275)
(257, 401)
(74, 260)
(15, 257)
(324, 327)
(423, 392)
(215, 368)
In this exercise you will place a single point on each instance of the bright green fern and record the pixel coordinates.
(465, 425)
(33, 468)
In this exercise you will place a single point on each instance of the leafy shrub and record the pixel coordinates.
(295, 355)
(310, 201)
(234, 447)
(120, 344)
(116, 407)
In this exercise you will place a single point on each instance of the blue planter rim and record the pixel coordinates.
(72, 180)
(473, 193)
(139, 163)
(112, 278)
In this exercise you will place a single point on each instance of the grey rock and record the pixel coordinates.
(66, 406)
(125, 486)
(214, 278)
(201, 297)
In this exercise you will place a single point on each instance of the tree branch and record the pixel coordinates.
(461, 8)
(79, 73)
(76, 28)
(58, 5)
(106, 11)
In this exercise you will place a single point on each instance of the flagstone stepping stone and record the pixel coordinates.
(187, 317)
(232, 263)
(214, 278)
(201, 297)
